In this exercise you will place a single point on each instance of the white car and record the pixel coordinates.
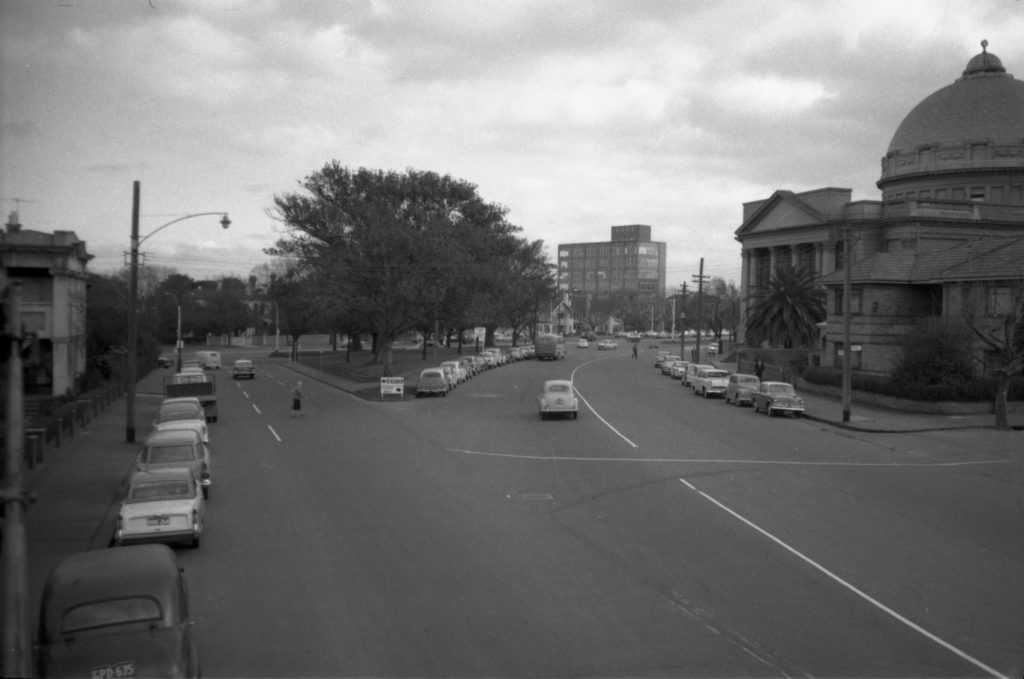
(607, 344)
(162, 506)
(183, 412)
(558, 397)
(458, 370)
(582, 343)
(711, 382)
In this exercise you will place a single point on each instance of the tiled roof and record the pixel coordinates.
(989, 259)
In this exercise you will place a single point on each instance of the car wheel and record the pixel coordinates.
(195, 543)
(770, 411)
(206, 492)
(543, 415)
(575, 414)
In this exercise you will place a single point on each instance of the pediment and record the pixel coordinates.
(782, 211)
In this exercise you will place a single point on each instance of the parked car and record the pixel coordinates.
(164, 361)
(582, 343)
(433, 381)
(117, 613)
(666, 363)
(679, 369)
(458, 371)
(659, 358)
(182, 412)
(607, 344)
(166, 505)
(243, 369)
(173, 449)
(558, 396)
(691, 373)
(469, 365)
(741, 388)
(777, 397)
(711, 382)
(500, 357)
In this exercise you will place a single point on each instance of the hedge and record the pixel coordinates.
(982, 390)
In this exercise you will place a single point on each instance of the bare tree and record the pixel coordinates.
(1001, 332)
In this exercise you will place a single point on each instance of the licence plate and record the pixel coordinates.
(125, 668)
(158, 521)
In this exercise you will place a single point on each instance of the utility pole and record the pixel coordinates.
(133, 321)
(17, 650)
(699, 280)
(682, 326)
(847, 304)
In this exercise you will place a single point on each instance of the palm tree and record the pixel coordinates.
(787, 311)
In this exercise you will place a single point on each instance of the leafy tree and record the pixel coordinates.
(297, 307)
(387, 246)
(786, 311)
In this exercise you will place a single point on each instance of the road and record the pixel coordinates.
(660, 534)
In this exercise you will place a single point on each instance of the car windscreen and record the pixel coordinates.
(110, 612)
(716, 373)
(161, 490)
(780, 389)
(178, 453)
(747, 380)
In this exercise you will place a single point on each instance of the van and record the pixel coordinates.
(549, 347)
(209, 360)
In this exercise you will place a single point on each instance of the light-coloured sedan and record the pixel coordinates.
(161, 506)
(180, 449)
(183, 412)
(558, 397)
(741, 388)
(777, 397)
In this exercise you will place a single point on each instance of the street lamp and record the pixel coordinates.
(133, 295)
(177, 337)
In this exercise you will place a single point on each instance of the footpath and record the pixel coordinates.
(77, 485)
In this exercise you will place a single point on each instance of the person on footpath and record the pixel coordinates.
(634, 350)
(297, 397)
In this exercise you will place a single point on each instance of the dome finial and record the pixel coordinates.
(984, 45)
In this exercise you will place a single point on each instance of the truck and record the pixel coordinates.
(201, 385)
(549, 346)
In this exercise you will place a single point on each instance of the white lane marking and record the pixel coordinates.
(274, 433)
(256, 408)
(572, 376)
(871, 600)
(245, 393)
(660, 460)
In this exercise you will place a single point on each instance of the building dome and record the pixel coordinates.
(975, 124)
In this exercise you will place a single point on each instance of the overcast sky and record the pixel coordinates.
(575, 115)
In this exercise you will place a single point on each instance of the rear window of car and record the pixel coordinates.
(716, 373)
(182, 453)
(171, 415)
(121, 611)
(780, 389)
(164, 490)
(558, 387)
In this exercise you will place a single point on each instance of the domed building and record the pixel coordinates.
(946, 240)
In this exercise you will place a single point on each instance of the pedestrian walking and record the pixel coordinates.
(297, 399)
(635, 351)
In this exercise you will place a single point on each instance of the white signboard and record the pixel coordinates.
(392, 385)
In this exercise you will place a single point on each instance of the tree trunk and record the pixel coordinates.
(1002, 392)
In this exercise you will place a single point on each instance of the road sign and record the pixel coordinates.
(392, 386)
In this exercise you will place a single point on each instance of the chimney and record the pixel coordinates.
(13, 225)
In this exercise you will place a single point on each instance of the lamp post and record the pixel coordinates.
(133, 295)
(177, 336)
